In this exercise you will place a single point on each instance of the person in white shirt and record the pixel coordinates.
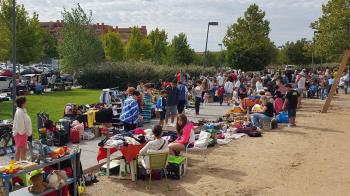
(259, 86)
(158, 145)
(238, 84)
(301, 83)
(229, 91)
(197, 93)
(220, 79)
(22, 128)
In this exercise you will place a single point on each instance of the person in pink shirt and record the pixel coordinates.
(279, 102)
(183, 129)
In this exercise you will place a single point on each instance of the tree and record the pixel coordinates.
(28, 34)
(334, 29)
(297, 52)
(80, 46)
(247, 41)
(113, 46)
(138, 46)
(158, 39)
(49, 44)
(179, 51)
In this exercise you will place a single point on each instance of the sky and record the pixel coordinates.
(289, 19)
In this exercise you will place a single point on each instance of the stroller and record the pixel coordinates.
(312, 91)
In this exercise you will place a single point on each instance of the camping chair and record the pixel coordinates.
(157, 161)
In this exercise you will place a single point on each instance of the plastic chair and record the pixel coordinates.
(157, 161)
(190, 142)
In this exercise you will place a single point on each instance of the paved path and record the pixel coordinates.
(90, 148)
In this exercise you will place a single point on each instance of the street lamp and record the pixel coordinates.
(221, 55)
(14, 74)
(206, 43)
(313, 46)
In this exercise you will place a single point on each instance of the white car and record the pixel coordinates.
(5, 83)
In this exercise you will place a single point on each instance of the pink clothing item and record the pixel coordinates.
(278, 105)
(185, 137)
(21, 140)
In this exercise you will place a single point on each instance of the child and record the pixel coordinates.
(278, 102)
(160, 106)
(291, 103)
(157, 145)
(221, 93)
(206, 98)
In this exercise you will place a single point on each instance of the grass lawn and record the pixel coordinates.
(52, 103)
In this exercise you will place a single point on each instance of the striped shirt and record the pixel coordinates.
(130, 111)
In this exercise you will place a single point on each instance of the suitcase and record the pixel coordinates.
(60, 138)
(74, 136)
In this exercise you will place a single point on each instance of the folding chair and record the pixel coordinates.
(157, 161)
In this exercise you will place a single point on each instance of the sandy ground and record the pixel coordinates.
(311, 159)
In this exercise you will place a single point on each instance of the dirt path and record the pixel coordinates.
(311, 159)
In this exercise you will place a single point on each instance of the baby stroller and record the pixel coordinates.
(312, 91)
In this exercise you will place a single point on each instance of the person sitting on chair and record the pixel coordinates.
(183, 129)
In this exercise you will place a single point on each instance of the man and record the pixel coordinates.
(220, 79)
(291, 103)
(229, 91)
(172, 102)
(181, 97)
(130, 111)
(301, 81)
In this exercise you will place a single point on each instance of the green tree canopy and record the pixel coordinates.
(49, 44)
(179, 51)
(298, 52)
(333, 28)
(80, 46)
(247, 41)
(113, 46)
(158, 39)
(138, 46)
(28, 34)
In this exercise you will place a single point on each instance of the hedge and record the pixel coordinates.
(121, 74)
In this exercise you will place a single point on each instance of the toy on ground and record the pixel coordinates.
(57, 179)
(38, 184)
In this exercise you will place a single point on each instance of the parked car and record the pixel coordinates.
(6, 72)
(5, 83)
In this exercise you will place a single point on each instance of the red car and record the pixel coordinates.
(6, 72)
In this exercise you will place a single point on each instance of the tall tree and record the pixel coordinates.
(113, 46)
(179, 51)
(247, 41)
(28, 34)
(80, 46)
(333, 28)
(49, 44)
(297, 52)
(138, 46)
(158, 39)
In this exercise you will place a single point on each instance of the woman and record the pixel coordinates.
(147, 104)
(197, 92)
(130, 112)
(183, 129)
(22, 128)
(266, 114)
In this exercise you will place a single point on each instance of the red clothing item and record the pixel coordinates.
(233, 77)
(221, 91)
(278, 105)
(185, 137)
(130, 152)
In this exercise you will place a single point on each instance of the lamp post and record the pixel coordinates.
(221, 55)
(206, 42)
(313, 46)
(14, 91)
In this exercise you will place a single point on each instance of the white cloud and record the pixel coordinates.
(289, 19)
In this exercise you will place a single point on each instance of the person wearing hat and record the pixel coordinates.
(38, 184)
(266, 114)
